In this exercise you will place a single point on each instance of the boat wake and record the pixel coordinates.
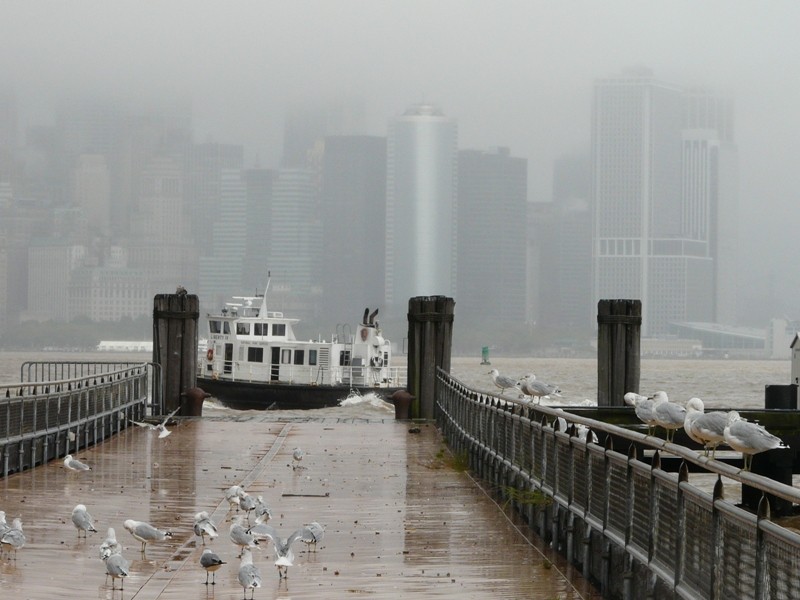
(369, 399)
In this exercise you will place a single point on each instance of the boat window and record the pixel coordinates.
(226, 327)
(214, 327)
(261, 329)
(255, 354)
(243, 329)
(344, 358)
(312, 357)
(286, 356)
(279, 329)
(299, 355)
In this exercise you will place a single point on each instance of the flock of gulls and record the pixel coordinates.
(242, 534)
(709, 429)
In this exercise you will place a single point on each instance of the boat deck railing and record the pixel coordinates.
(631, 525)
(61, 407)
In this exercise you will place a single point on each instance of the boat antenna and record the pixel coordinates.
(263, 311)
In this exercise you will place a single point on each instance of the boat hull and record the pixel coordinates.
(246, 395)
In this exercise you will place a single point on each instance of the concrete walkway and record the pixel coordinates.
(400, 519)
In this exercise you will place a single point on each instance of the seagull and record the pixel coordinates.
(297, 456)
(643, 407)
(241, 536)
(504, 382)
(110, 545)
(530, 386)
(75, 465)
(707, 429)
(283, 546)
(116, 566)
(669, 415)
(204, 526)
(263, 513)
(311, 534)
(247, 504)
(161, 428)
(13, 538)
(145, 533)
(82, 520)
(211, 563)
(749, 438)
(4, 526)
(249, 576)
(234, 495)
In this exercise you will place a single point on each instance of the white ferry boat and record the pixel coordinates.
(253, 360)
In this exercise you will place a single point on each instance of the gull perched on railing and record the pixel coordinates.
(530, 386)
(668, 415)
(504, 382)
(749, 438)
(643, 407)
(705, 428)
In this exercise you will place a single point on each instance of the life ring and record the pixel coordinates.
(377, 361)
(210, 354)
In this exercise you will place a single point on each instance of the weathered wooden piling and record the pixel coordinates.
(430, 336)
(175, 346)
(619, 324)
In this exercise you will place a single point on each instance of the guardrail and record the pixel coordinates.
(635, 529)
(60, 408)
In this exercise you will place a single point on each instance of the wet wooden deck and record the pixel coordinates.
(400, 519)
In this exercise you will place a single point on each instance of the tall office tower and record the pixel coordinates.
(710, 191)
(222, 268)
(639, 248)
(421, 182)
(51, 262)
(9, 166)
(353, 202)
(258, 193)
(91, 192)
(492, 237)
(567, 249)
(296, 242)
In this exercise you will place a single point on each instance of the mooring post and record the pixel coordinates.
(619, 324)
(175, 346)
(430, 334)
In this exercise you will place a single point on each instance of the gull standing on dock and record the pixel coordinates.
(283, 546)
(110, 545)
(211, 563)
(262, 511)
(116, 566)
(668, 415)
(707, 429)
(203, 526)
(145, 533)
(297, 456)
(504, 382)
(311, 534)
(74, 464)
(234, 495)
(82, 520)
(249, 575)
(240, 535)
(13, 538)
(749, 438)
(530, 386)
(161, 428)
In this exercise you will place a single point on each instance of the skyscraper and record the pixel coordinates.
(640, 247)
(420, 206)
(492, 236)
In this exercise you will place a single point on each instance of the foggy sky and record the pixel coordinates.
(513, 73)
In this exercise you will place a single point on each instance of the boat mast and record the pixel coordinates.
(263, 311)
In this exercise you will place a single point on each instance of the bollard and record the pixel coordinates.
(402, 400)
(192, 406)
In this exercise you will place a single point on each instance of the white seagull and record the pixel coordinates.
(530, 386)
(211, 563)
(707, 429)
(240, 535)
(75, 465)
(234, 495)
(249, 575)
(116, 566)
(204, 526)
(161, 428)
(283, 546)
(82, 520)
(311, 534)
(669, 415)
(297, 456)
(145, 533)
(13, 538)
(643, 407)
(110, 545)
(749, 438)
(504, 382)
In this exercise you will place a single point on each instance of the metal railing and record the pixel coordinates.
(638, 530)
(60, 408)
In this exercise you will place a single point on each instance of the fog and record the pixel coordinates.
(513, 73)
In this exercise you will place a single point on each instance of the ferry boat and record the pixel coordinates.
(253, 360)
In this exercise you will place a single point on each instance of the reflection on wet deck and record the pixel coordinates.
(399, 519)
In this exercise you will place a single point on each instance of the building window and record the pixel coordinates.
(255, 355)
